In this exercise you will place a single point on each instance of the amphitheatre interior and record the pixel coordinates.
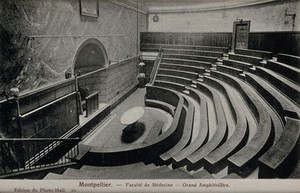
(149, 89)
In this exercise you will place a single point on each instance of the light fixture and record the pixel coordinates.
(141, 64)
(155, 18)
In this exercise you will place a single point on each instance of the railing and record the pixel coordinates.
(156, 66)
(19, 154)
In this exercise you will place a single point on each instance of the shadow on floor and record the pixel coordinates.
(130, 134)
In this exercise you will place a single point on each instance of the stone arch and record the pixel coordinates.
(91, 55)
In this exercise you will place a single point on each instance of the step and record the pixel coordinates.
(190, 57)
(276, 99)
(193, 52)
(289, 59)
(277, 161)
(203, 134)
(187, 132)
(238, 138)
(170, 85)
(237, 64)
(220, 134)
(284, 85)
(188, 62)
(247, 59)
(161, 105)
(180, 73)
(176, 79)
(266, 55)
(288, 71)
(229, 70)
(263, 136)
(187, 68)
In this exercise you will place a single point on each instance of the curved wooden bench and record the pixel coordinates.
(202, 64)
(289, 88)
(202, 136)
(193, 52)
(161, 105)
(289, 59)
(248, 59)
(276, 99)
(182, 67)
(237, 64)
(143, 151)
(256, 53)
(186, 135)
(239, 137)
(191, 47)
(230, 70)
(290, 72)
(220, 135)
(191, 57)
(176, 79)
(185, 74)
(170, 85)
(246, 158)
(279, 160)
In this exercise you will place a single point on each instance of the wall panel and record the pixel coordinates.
(277, 42)
(183, 38)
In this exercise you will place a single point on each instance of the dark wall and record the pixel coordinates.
(62, 115)
(185, 38)
(277, 42)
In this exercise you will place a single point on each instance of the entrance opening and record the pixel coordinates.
(240, 34)
(90, 56)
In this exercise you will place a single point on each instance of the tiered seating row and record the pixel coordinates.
(263, 137)
(289, 72)
(277, 161)
(247, 59)
(187, 62)
(220, 135)
(194, 52)
(203, 134)
(239, 137)
(289, 88)
(289, 59)
(256, 53)
(186, 135)
(178, 73)
(237, 64)
(191, 57)
(277, 100)
(145, 47)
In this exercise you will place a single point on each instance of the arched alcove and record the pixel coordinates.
(90, 56)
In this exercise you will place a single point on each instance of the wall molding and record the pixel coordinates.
(128, 6)
(190, 10)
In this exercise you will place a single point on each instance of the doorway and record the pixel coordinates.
(240, 37)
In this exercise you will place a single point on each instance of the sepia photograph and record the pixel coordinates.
(149, 96)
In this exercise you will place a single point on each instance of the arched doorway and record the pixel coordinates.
(90, 56)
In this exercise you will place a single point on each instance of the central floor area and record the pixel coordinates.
(109, 134)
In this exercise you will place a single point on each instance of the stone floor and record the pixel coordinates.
(109, 134)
